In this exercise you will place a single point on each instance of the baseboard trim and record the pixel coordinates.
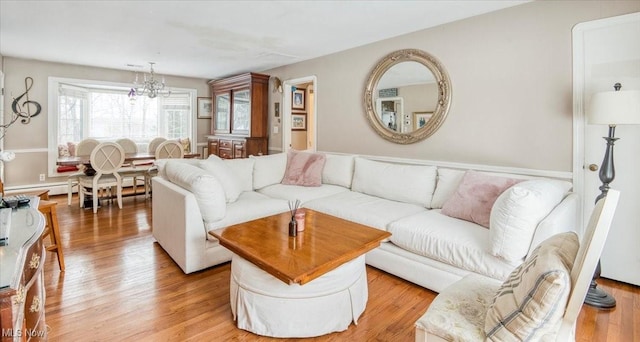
(54, 188)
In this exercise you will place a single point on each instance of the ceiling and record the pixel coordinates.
(212, 39)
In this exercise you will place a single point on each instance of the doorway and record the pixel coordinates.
(605, 52)
(299, 124)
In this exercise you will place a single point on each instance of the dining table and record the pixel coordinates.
(89, 171)
(128, 157)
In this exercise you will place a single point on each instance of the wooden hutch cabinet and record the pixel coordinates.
(240, 115)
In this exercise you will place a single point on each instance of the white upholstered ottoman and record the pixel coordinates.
(267, 306)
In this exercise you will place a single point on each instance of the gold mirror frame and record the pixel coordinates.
(442, 106)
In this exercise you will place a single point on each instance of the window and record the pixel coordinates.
(104, 111)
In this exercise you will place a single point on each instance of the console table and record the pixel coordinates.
(22, 292)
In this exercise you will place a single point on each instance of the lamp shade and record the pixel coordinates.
(615, 108)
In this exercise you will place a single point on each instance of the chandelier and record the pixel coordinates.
(150, 87)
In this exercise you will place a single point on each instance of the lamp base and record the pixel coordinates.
(599, 298)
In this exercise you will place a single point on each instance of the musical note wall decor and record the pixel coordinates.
(25, 109)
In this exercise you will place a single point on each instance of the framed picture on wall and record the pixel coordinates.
(299, 121)
(205, 108)
(297, 99)
(420, 119)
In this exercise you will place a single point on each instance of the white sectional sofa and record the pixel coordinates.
(406, 198)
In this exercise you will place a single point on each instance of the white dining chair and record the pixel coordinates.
(106, 159)
(136, 170)
(83, 149)
(128, 145)
(154, 143)
(168, 149)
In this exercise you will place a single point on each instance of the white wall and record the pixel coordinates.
(511, 87)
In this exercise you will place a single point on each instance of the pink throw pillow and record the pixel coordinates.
(71, 146)
(475, 196)
(304, 169)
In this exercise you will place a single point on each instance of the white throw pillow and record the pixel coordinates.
(268, 170)
(225, 175)
(160, 164)
(397, 182)
(448, 181)
(243, 169)
(338, 170)
(516, 213)
(205, 187)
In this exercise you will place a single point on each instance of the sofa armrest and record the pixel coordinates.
(177, 222)
(562, 218)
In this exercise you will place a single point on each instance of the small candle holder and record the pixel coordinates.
(300, 215)
(293, 225)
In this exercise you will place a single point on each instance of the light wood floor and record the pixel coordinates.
(120, 285)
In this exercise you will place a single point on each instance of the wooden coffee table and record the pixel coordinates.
(309, 285)
(326, 243)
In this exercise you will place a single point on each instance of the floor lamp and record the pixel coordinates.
(610, 108)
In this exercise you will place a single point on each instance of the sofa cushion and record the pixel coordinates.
(225, 175)
(161, 163)
(66, 168)
(205, 187)
(249, 206)
(458, 313)
(304, 169)
(304, 194)
(371, 211)
(398, 182)
(517, 212)
(475, 195)
(531, 302)
(242, 168)
(268, 170)
(338, 170)
(449, 240)
(446, 185)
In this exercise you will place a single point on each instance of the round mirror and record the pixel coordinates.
(407, 96)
